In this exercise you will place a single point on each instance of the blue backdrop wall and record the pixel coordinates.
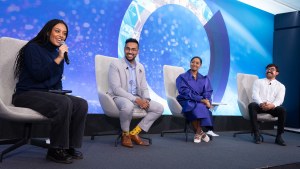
(286, 56)
(230, 36)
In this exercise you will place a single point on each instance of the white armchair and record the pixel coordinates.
(9, 48)
(244, 85)
(109, 107)
(170, 75)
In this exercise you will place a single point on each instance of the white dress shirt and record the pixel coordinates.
(268, 91)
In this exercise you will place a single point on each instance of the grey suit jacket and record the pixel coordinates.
(118, 76)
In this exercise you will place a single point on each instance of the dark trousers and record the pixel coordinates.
(279, 112)
(67, 114)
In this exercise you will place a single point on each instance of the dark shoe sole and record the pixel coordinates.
(143, 144)
(77, 157)
(59, 161)
(257, 142)
(281, 144)
(128, 146)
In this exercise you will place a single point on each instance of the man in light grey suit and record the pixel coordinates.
(128, 87)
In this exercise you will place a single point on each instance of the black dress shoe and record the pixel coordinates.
(74, 153)
(59, 156)
(257, 138)
(280, 141)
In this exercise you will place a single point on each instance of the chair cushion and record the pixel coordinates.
(20, 114)
(266, 117)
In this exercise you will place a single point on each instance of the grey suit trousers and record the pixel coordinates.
(126, 109)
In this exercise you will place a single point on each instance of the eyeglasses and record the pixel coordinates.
(127, 49)
(271, 69)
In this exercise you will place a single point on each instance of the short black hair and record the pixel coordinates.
(131, 40)
(273, 65)
(196, 57)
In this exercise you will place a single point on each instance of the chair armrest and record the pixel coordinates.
(244, 110)
(217, 104)
(174, 106)
(214, 105)
(108, 105)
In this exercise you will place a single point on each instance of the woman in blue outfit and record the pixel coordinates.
(39, 68)
(195, 98)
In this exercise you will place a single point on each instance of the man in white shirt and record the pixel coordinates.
(268, 95)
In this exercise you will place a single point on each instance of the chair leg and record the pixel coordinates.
(13, 147)
(108, 133)
(269, 134)
(9, 141)
(261, 133)
(118, 138)
(185, 130)
(20, 142)
(105, 133)
(17, 142)
(242, 132)
(172, 131)
(261, 137)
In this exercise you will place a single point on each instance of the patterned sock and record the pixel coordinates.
(136, 130)
(125, 133)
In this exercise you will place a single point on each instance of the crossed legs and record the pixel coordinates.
(126, 108)
(199, 134)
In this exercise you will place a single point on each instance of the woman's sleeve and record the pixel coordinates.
(207, 89)
(35, 65)
(185, 92)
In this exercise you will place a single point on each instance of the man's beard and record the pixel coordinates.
(131, 58)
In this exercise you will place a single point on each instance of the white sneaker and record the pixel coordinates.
(197, 138)
(210, 132)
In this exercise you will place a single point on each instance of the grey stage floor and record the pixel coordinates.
(168, 152)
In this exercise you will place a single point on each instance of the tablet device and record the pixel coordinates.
(60, 91)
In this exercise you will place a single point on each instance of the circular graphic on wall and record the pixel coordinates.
(161, 42)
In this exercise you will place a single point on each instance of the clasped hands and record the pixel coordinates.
(206, 102)
(265, 106)
(142, 103)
